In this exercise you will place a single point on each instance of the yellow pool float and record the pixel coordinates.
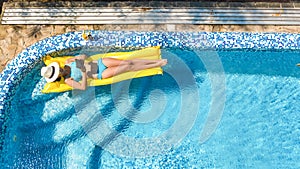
(146, 53)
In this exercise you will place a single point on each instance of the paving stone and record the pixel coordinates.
(3, 32)
(59, 29)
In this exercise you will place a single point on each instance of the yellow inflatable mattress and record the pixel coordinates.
(146, 53)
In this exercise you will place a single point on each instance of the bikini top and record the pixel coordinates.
(75, 72)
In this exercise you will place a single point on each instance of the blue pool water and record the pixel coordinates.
(111, 126)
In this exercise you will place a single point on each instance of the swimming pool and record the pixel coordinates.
(212, 108)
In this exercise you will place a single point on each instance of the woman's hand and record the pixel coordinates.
(83, 69)
(78, 85)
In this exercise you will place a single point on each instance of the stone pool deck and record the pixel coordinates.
(15, 38)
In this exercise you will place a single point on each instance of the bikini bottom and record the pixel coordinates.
(101, 68)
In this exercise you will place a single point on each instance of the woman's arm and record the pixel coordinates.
(79, 57)
(78, 85)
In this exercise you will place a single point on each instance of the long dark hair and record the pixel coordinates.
(64, 72)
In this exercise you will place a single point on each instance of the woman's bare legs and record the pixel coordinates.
(115, 67)
(111, 62)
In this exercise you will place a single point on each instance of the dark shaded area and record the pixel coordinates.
(1, 3)
(152, 3)
(95, 158)
(29, 120)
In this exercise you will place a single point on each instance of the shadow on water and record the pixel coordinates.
(269, 63)
(143, 87)
(29, 140)
(26, 141)
(123, 124)
(243, 61)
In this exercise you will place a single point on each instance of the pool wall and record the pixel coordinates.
(13, 74)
